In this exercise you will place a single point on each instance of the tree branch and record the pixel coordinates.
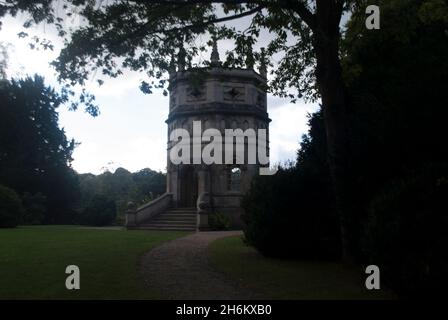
(304, 13)
(218, 20)
(206, 23)
(143, 29)
(190, 2)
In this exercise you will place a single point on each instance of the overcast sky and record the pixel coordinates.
(131, 132)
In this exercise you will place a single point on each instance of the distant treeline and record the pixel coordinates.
(120, 187)
(37, 183)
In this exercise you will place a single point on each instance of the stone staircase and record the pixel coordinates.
(177, 219)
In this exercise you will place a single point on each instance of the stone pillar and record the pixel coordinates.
(203, 203)
(203, 210)
(174, 185)
(131, 215)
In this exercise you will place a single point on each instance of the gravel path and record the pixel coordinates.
(179, 269)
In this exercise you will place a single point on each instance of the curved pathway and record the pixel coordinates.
(179, 269)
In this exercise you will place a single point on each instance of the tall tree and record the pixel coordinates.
(35, 154)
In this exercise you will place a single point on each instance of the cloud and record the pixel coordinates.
(128, 82)
(289, 123)
(274, 101)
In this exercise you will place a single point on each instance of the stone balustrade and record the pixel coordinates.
(135, 216)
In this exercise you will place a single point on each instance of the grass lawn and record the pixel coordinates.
(283, 279)
(33, 262)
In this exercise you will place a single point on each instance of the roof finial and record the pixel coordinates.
(249, 57)
(263, 69)
(172, 66)
(181, 58)
(214, 57)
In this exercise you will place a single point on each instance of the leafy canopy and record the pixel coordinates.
(154, 37)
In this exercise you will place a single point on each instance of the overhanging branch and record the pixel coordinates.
(304, 13)
(213, 21)
(196, 25)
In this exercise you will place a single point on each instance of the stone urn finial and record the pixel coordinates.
(131, 213)
(181, 58)
(131, 207)
(214, 57)
(263, 68)
(172, 66)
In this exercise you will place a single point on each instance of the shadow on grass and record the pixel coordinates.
(289, 279)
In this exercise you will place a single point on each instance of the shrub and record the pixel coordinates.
(219, 221)
(290, 215)
(406, 234)
(100, 211)
(11, 208)
(35, 209)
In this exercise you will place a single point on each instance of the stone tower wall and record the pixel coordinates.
(221, 99)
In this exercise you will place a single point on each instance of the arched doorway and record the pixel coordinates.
(188, 187)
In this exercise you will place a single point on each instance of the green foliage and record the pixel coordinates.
(397, 80)
(434, 11)
(4, 57)
(11, 208)
(148, 183)
(219, 221)
(155, 36)
(35, 153)
(122, 187)
(291, 214)
(35, 208)
(406, 232)
(100, 211)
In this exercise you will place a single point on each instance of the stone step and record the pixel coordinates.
(167, 221)
(180, 212)
(181, 219)
(150, 224)
(175, 216)
(173, 227)
(171, 222)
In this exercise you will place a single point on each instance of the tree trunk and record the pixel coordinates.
(334, 107)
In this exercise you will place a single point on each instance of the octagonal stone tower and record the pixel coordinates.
(219, 98)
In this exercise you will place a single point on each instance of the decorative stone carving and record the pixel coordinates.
(196, 93)
(234, 93)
